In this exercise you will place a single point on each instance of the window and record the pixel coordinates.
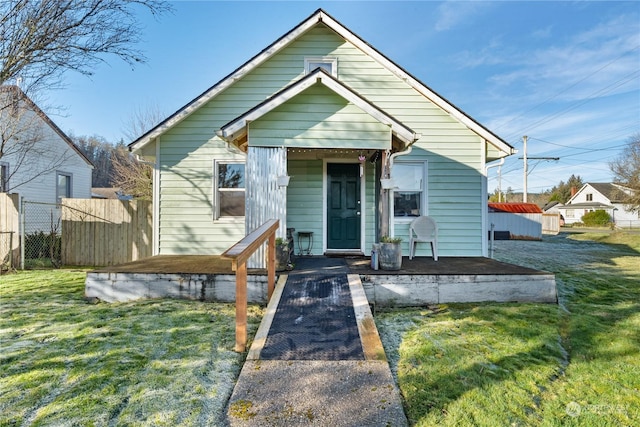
(570, 213)
(409, 197)
(229, 189)
(4, 177)
(63, 186)
(330, 64)
(589, 197)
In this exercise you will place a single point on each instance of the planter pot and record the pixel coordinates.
(390, 256)
(282, 257)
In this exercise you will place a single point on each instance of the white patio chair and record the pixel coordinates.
(423, 230)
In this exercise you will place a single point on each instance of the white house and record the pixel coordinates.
(600, 196)
(38, 161)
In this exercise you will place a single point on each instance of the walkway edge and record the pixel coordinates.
(263, 330)
(369, 337)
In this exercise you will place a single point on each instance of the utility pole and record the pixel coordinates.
(524, 156)
(526, 166)
(499, 183)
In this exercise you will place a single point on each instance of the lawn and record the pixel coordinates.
(67, 362)
(572, 364)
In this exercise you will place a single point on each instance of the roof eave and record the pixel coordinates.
(236, 129)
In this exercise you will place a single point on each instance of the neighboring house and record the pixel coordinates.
(515, 221)
(308, 131)
(600, 196)
(39, 162)
(109, 193)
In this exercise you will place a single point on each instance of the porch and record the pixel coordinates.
(421, 281)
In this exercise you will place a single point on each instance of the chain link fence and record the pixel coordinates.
(42, 235)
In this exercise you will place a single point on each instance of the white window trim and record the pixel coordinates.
(322, 59)
(216, 193)
(68, 175)
(424, 205)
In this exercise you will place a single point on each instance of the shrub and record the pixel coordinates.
(596, 218)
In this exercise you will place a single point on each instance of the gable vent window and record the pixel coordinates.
(589, 197)
(329, 64)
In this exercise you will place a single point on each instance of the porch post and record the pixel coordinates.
(384, 197)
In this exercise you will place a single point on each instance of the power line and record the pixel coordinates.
(567, 88)
(620, 82)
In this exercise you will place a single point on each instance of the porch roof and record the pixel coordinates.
(235, 132)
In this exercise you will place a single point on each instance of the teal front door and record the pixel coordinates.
(343, 206)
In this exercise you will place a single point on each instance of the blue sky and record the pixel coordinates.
(567, 74)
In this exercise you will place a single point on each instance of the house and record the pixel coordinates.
(600, 196)
(39, 162)
(325, 133)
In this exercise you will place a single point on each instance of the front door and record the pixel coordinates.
(343, 206)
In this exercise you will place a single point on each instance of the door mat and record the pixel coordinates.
(314, 320)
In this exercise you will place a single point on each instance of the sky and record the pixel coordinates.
(564, 73)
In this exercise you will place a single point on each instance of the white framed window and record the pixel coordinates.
(590, 197)
(63, 185)
(410, 189)
(571, 213)
(4, 177)
(328, 63)
(229, 187)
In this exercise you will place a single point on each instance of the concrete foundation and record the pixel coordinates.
(380, 289)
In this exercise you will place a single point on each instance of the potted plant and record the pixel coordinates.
(390, 253)
(282, 254)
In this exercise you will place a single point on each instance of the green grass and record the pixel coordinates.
(64, 361)
(572, 364)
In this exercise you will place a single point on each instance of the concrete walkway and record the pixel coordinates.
(336, 393)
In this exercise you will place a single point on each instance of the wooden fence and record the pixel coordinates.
(551, 223)
(9, 230)
(105, 232)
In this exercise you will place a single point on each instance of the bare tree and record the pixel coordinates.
(42, 39)
(142, 120)
(626, 170)
(133, 176)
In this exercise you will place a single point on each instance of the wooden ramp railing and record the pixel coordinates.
(239, 254)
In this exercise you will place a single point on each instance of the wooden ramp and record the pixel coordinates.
(304, 381)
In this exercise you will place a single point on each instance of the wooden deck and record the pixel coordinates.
(214, 264)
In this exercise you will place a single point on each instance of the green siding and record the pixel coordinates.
(318, 118)
(304, 200)
(187, 152)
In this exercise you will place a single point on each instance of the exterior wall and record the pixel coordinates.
(319, 118)
(187, 151)
(520, 225)
(304, 201)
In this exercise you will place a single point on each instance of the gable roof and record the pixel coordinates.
(611, 191)
(320, 16)
(237, 128)
(16, 92)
